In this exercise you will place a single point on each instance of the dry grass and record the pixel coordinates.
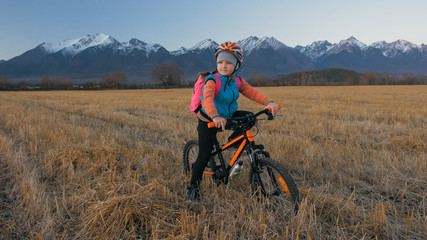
(107, 165)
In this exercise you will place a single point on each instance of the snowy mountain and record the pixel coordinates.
(396, 48)
(252, 44)
(204, 45)
(73, 47)
(139, 46)
(92, 56)
(396, 57)
(180, 51)
(316, 50)
(319, 49)
(350, 45)
(207, 44)
(268, 55)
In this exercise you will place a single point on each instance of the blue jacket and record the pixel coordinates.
(226, 100)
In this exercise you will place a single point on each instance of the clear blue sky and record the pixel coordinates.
(24, 24)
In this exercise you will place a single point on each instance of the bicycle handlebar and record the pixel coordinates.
(264, 111)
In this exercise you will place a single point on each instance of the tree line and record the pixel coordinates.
(171, 76)
(339, 77)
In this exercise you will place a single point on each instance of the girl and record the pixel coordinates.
(229, 57)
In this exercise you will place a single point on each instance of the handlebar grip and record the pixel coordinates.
(212, 124)
(280, 107)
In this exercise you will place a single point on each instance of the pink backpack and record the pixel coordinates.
(195, 104)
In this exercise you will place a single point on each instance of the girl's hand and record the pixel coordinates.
(219, 122)
(274, 108)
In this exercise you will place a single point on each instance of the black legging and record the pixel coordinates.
(207, 138)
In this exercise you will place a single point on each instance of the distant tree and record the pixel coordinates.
(422, 79)
(22, 85)
(412, 79)
(5, 83)
(168, 74)
(115, 80)
(91, 85)
(261, 81)
(323, 77)
(54, 83)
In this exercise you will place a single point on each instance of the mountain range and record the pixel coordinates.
(92, 56)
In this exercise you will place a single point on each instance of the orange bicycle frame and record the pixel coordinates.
(249, 137)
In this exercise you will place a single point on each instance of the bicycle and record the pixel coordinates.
(267, 177)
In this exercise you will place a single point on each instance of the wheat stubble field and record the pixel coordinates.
(108, 165)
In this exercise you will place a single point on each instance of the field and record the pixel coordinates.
(108, 165)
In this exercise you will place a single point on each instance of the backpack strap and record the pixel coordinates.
(238, 82)
(218, 82)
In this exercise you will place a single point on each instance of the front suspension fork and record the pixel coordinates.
(254, 154)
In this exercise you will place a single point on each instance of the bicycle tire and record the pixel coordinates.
(273, 182)
(191, 150)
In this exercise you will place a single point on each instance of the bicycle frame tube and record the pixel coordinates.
(248, 137)
(238, 152)
(231, 142)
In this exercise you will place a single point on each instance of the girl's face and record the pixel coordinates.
(225, 68)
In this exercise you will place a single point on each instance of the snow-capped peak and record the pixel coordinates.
(395, 48)
(405, 46)
(353, 41)
(75, 46)
(55, 47)
(135, 44)
(348, 45)
(316, 49)
(204, 44)
(252, 43)
(180, 51)
(272, 42)
(248, 44)
(320, 49)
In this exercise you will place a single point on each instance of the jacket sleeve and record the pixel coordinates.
(253, 93)
(208, 99)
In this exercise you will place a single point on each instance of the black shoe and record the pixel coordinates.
(193, 193)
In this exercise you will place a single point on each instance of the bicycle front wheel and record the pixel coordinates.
(272, 181)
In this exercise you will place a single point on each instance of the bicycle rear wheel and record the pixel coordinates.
(273, 182)
(191, 151)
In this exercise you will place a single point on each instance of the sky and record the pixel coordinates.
(24, 24)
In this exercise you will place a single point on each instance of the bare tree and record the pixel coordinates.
(5, 83)
(115, 80)
(168, 74)
(54, 83)
(261, 81)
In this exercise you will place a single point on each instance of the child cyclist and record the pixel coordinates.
(229, 57)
